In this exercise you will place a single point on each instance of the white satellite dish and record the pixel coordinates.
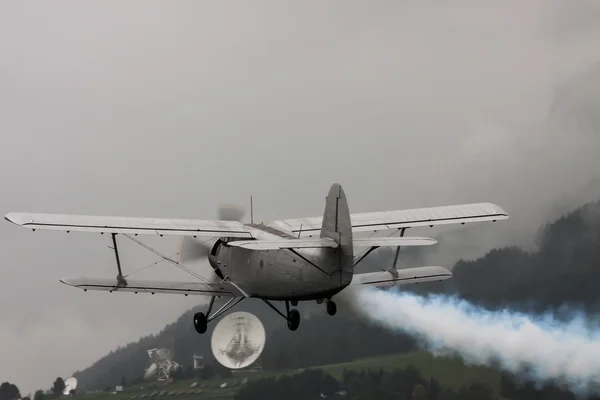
(70, 385)
(238, 340)
(151, 371)
(162, 364)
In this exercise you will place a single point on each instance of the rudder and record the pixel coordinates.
(336, 225)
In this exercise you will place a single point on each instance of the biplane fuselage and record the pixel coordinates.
(292, 273)
(280, 274)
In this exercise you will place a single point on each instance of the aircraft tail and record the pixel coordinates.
(337, 226)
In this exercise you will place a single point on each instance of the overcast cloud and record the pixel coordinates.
(169, 108)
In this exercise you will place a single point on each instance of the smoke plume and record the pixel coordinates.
(542, 347)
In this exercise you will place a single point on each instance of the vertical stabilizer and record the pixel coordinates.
(337, 226)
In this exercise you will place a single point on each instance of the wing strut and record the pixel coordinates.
(393, 269)
(226, 307)
(365, 255)
(121, 281)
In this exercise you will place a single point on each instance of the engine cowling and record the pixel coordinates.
(215, 258)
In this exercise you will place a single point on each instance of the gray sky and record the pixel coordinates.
(169, 108)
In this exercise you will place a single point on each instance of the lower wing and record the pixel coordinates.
(402, 276)
(224, 289)
(228, 289)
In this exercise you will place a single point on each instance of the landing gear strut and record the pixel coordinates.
(201, 320)
(292, 317)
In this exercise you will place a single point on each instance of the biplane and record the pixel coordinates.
(290, 260)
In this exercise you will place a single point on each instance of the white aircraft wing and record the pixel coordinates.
(403, 276)
(131, 225)
(384, 220)
(224, 289)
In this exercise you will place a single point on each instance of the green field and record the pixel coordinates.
(449, 372)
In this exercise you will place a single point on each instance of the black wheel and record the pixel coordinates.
(331, 308)
(293, 320)
(200, 322)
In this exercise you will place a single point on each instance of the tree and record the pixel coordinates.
(58, 386)
(9, 391)
(39, 395)
(207, 372)
(419, 392)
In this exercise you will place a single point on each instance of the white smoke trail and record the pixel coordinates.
(567, 352)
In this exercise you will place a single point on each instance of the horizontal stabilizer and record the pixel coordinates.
(284, 244)
(403, 276)
(131, 225)
(329, 243)
(224, 289)
(392, 241)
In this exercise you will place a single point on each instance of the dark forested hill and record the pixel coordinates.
(564, 270)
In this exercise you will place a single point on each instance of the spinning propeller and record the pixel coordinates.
(193, 252)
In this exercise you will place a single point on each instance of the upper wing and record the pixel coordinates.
(133, 225)
(383, 220)
(224, 289)
(403, 276)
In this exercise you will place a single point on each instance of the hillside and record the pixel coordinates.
(561, 274)
(449, 372)
(563, 270)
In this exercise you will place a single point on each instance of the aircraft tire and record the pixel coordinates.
(331, 308)
(293, 320)
(200, 322)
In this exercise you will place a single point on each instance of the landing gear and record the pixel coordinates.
(291, 315)
(200, 322)
(331, 307)
(293, 319)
